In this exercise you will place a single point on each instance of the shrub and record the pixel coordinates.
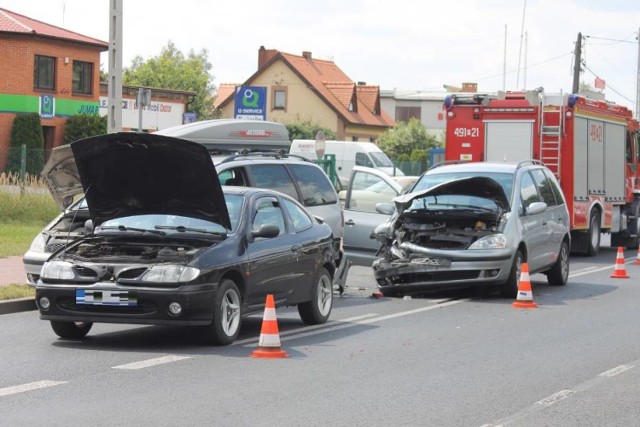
(83, 126)
(27, 131)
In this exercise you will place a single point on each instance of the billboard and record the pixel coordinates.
(250, 103)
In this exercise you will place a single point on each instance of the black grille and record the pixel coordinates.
(435, 276)
(55, 246)
(85, 272)
(133, 273)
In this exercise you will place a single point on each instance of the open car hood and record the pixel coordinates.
(125, 173)
(478, 186)
(61, 176)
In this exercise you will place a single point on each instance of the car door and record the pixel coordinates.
(273, 261)
(535, 229)
(367, 188)
(555, 215)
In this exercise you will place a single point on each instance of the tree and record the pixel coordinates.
(173, 70)
(308, 130)
(27, 131)
(83, 126)
(404, 138)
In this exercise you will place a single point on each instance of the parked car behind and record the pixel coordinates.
(474, 224)
(171, 247)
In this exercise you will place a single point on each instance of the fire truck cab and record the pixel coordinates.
(592, 146)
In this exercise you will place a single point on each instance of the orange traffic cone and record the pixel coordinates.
(269, 344)
(619, 271)
(525, 295)
(638, 256)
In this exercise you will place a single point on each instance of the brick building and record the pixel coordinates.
(47, 70)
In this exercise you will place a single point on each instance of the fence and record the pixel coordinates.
(22, 162)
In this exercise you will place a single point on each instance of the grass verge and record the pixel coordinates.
(15, 291)
(16, 238)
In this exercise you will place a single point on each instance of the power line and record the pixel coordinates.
(614, 40)
(608, 85)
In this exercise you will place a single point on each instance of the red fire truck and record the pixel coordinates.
(592, 146)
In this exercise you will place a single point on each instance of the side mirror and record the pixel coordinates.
(266, 231)
(385, 208)
(536, 208)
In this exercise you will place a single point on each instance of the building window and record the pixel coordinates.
(404, 114)
(279, 98)
(82, 77)
(44, 73)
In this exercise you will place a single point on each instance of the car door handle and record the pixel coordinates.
(349, 222)
(295, 248)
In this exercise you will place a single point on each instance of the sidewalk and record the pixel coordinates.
(12, 271)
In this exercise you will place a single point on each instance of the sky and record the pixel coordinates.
(409, 45)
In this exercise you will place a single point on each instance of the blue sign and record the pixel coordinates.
(188, 118)
(250, 103)
(47, 106)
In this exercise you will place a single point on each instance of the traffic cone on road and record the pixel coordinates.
(637, 261)
(619, 271)
(525, 295)
(269, 344)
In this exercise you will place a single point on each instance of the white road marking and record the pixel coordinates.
(531, 410)
(29, 387)
(615, 371)
(554, 398)
(151, 362)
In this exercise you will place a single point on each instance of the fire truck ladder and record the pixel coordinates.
(551, 121)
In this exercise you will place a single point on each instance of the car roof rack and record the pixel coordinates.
(523, 163)
(280, 154)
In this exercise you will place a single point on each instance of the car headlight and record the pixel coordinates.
(170, 273)
(57, 270)
(38, 244)
(494, 241)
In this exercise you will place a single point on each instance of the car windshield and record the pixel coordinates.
(453, 202)
(381, 160)
(429, 180)
(161, 223)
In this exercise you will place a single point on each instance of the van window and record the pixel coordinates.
(274, 177)
(363, 160)
(314, 185)
(381, 160)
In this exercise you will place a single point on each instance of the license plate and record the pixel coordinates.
(434, 262)
(96, 297)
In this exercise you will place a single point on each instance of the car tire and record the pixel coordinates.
(558, 275)
(227, 315)
(317, 310)
(71, 330)
(509, 289)
(593, 235)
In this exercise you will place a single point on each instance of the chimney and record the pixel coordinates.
(265, 55)
(306, 55)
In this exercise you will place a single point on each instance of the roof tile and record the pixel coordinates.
(11, 22)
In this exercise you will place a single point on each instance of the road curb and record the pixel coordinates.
(17, 305)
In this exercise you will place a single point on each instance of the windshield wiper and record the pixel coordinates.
(182, 229)
(124, 228)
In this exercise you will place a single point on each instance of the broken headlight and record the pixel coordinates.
(494, 241)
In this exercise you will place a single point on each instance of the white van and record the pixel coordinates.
(348, 154)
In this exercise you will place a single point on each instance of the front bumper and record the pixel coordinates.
(422, 274)
(33, 262)
(151, 306)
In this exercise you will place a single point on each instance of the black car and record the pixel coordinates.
(170, 246)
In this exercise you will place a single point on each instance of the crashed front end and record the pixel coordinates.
(449, 236)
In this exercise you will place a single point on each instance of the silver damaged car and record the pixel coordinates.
(473, 225)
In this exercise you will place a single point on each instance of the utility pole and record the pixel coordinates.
(576, 65)
(638, 81)
(114, 86)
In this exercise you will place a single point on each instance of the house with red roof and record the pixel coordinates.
(301, 88)
(46, 70)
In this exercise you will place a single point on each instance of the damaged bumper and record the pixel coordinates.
(439, 271)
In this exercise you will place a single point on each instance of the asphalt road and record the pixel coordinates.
(450, 359)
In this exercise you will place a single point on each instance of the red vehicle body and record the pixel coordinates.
(591, 146)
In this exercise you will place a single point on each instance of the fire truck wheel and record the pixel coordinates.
(593, 236)
(509, 289)
(634, 227)
(558, 275)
